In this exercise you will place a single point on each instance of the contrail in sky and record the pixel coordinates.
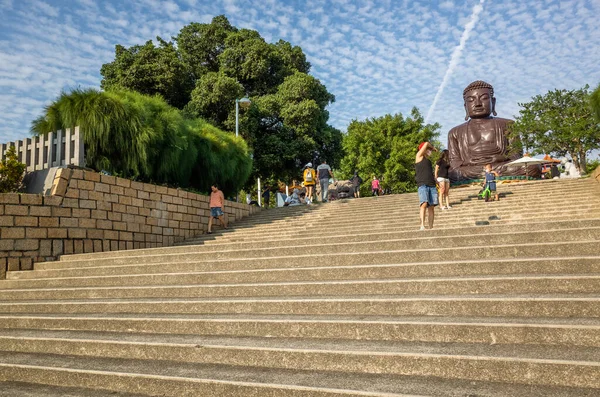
(456, 56)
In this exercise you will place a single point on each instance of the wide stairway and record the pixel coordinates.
(343, 299)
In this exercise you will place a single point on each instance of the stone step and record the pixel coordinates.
(472, 235)
(537, 251)
(328, 212)
(179, 380)
(192, 380)
(501, 330)
(355, 267)
(407, 201)
(463, 306)
(447, 229)
(561, 366)
(447, 248)
(12, 389)
(552, 284)
(411, 217)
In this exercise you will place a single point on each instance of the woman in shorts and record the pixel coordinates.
(441, 178)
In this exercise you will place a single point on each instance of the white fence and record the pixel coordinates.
(53, 149)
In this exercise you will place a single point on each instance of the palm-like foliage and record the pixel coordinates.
(142, 137)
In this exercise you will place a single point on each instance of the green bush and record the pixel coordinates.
(592, 165)
(142, 137)
(11, 172)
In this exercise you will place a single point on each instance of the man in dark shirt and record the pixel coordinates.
(428, 196)
(323, 173)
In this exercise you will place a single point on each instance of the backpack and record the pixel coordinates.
(308, 176)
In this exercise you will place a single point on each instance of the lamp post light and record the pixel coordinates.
(245, 102)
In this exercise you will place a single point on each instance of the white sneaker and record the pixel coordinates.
(448, 207)
(422, 228)
(444, 208)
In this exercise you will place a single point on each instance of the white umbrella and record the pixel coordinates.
(527, 160)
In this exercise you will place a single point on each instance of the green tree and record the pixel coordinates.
(214, 64)
(142, 137)
(386, 147)
(150, 70)
(289, 128)
(201, 44)
(12, 172)
(560, 122)
(595, 103)
(214, 99)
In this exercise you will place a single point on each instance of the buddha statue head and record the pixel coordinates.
(479, 100)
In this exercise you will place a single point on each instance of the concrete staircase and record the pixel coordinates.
(343, 299)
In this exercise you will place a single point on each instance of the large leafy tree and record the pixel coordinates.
(560, 122)
(286, 125)
(150, 70)
(386, 147)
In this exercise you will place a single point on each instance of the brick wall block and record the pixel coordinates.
(57, 247)
(76, 233)
(7, 220)
(53, 201)
(59, 188)
(87, 223)
(40, 211)
(45, 247)
(95, 234)
(137, 202)
(91, 176)
(29, 221)
(108, 179)
(70, 203)
(11, 209)
(69, 222)
(86, 185)
(81, 213)
(12, 232)
(31, 199)
(78, 246)
(123, 182)
(116, 189)
(27, 245)
(87, 204)
(105, 224)
(57, 233)
(7, 244)
(49, 222)
(9, 198)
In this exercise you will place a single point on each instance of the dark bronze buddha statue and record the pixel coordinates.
(482, 139)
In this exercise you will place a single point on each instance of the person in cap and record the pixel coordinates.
(310, 177)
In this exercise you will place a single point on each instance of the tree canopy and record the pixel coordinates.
(595, 103)
(208, 66)
(560, 122)
(142, 137)
(385, 147)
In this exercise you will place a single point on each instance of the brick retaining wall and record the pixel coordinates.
(90, 212)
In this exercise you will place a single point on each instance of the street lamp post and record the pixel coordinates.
(245, 102)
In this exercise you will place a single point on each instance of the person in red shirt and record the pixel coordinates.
(217, 206)
(375, 186)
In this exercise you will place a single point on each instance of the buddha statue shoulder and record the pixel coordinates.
(482, 139)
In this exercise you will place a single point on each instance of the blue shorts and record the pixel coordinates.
(429, 195)
(216, 211)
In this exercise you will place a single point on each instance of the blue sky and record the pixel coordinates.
(376, 57)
